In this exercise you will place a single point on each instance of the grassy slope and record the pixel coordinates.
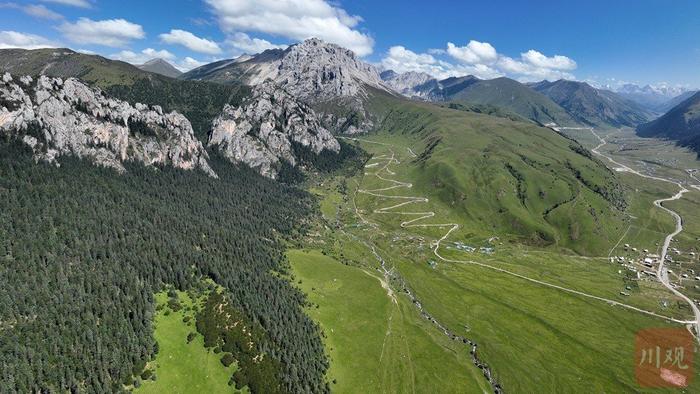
(594, 106)
(181, 367)
(513, 96)
(681, 123)
(374, 344)
(97, 70)
(688, 241)
(536, 338)
(467, 171)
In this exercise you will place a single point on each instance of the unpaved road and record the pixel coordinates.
(662, 273)
(422, 215)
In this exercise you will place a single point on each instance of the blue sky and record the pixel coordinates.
(606, 42)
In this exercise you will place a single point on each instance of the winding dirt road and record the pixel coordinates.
(662, 272)
(423, 215)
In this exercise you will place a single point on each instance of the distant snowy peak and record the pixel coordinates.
(659, 98)
(665, 90)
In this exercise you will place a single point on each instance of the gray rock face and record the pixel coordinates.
(315, 71)
(412, 84)
(326, 76)
(318, 73)
(260, 132)
(56, 117)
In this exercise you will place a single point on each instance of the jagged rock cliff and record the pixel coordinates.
(56, 117)
(262, 131)
(330, 78)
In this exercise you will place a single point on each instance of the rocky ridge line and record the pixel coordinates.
(56, 118)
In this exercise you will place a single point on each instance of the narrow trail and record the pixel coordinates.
(391, 274)
(619, 241)
(662, 272)
(423, 215)
(382, 164)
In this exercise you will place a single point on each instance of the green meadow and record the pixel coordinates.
(376, 344)
(182, 367)
(550, 223)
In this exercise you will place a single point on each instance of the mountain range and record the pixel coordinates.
(565, 103)
(655, 98)
(271, 129)
(336, 84)
(281, 109)
(169, 182)
(593, 107)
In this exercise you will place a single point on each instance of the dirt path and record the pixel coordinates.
(423, 215)
(662, 273)
(620, 240)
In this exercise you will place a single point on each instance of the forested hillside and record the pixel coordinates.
(200, 102)
(85, 249)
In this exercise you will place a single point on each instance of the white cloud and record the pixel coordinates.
(481, 60)
(14, 39)
(556, 62)
(437, 51)
(143, 56)
(162, 54)
(40, 11)
(525, 70)
(402, 60)
(110, 32)
(294, 19)
(74, 3)
(473, 53)
(190, 41)
(241, 42)
(482, 71)
(188, 64)
(35, 10)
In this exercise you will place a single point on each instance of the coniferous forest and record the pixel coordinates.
(84, 250)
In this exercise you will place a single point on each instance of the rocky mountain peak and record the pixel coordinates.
(57, 117)
(314, 71)
(327, 76)
(268, 128)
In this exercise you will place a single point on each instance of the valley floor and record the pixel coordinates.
(543, 319)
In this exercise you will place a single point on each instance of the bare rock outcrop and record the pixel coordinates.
(263, 130)
(333, 80)
(56, 117)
